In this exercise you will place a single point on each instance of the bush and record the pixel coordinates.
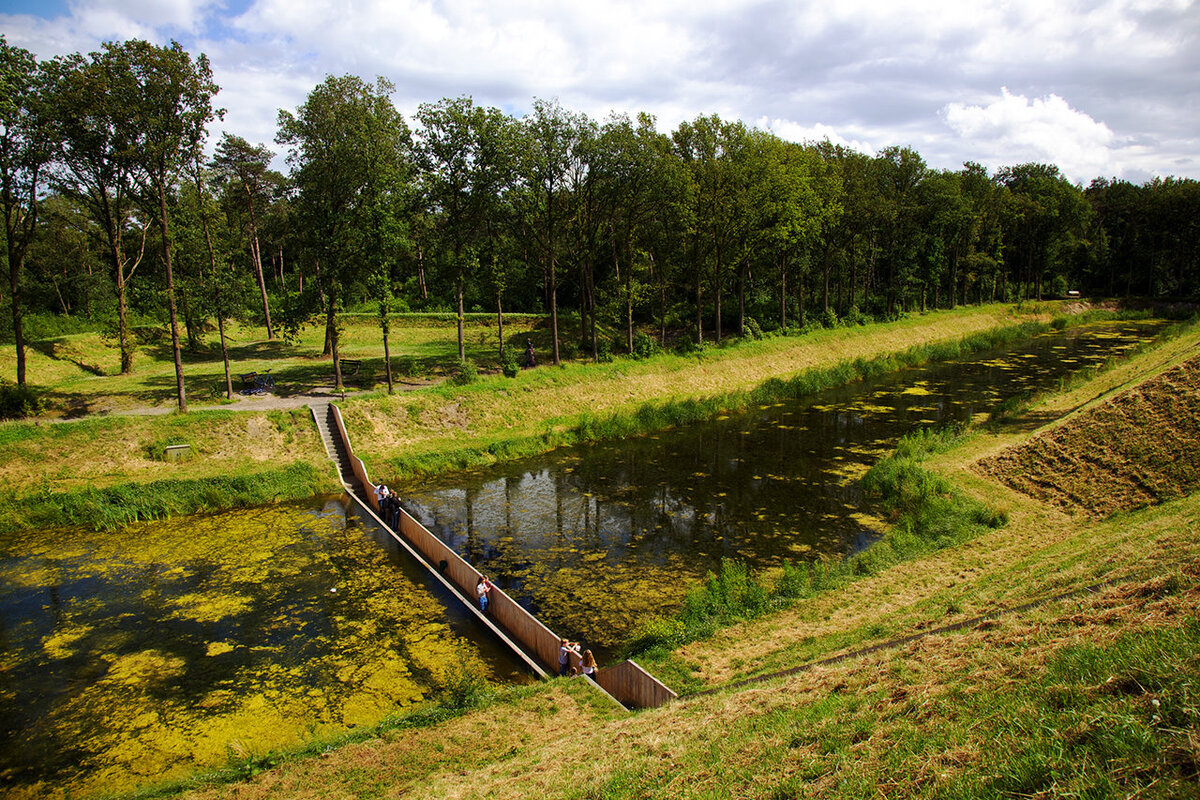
(407, 366)
(465, 373)
(511, 363)
(604, 351)
(829, 319)
(17, 402)
(753, 329)
(644, 346)
(464, 686)
(855, 317)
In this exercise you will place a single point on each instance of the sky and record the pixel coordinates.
(1107, 88)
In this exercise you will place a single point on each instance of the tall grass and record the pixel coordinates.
(110, 507)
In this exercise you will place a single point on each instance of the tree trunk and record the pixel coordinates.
(332, 338)
(782, 261)
(118, 255)
(256, 258)
(717, 292)
(166, 245)
(458, 295)
(742, 299)
(14, 270)
(387, 354)
(500, 321)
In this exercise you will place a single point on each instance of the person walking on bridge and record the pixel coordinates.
(482, 587)
(588, 663)
(565, 649)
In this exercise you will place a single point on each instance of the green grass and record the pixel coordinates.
(926, 513)
(113, 506)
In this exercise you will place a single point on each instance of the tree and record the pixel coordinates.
(167, 102)
(1045, 213)
(94, 165)
(551, 138)
(342, 142)
(715, 153)
(244, 170)
(25, 153)
(465, 154)
(629, 167)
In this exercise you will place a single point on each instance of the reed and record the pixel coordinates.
(112, 506)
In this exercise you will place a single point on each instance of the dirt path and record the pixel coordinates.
(241, 402)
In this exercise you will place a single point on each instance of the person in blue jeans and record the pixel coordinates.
(482, 587)
(565, 649)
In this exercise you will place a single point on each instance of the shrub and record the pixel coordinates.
(829, 319)
(465, 373)
(17, 402)
(604, 351)
(464, 686)
(753, 329)
(407, 366)
(511, 364)
(644, 346)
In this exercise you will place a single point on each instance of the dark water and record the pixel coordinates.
(135, 655)
(594, 538)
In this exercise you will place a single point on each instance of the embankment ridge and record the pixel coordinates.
(1136, 449)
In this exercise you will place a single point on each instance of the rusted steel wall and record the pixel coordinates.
(627, 682)
(633, 686)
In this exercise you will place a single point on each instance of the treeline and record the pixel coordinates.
(114, 212)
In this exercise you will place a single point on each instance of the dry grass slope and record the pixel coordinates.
(1136, 449)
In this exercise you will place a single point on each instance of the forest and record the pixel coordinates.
(121, 214)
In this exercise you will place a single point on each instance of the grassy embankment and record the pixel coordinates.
(106, 467)
(105, 471)
(1091, 694)
(494, 419)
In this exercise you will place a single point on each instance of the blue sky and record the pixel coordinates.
(1102, 88)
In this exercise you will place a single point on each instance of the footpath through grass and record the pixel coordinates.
(1094, 695)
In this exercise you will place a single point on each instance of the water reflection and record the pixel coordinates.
(593, 538)
(137, 655)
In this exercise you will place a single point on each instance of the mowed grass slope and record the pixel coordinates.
(108, 449)
(1135, 449)
(1090, 692)
(409, 431)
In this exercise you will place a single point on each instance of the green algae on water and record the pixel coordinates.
(143, 654)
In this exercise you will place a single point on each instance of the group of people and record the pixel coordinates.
(388, 505)
(587, 661)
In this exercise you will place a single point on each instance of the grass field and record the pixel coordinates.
(432, 425)
(1089, 692)
(79, 374)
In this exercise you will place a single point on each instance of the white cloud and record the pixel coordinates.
(185, 15)
(1015, 129)
(796, 132)
(863, 73)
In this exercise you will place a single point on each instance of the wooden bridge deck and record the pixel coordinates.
(533, 642)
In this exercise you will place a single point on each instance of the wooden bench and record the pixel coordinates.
(349, 366)
(257, 383)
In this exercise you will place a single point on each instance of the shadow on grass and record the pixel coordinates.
(60, 350)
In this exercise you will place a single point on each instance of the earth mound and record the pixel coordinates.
(1139, 448)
